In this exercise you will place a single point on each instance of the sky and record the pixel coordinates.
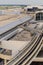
(27, 2)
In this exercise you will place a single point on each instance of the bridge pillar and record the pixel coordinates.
(5, 62)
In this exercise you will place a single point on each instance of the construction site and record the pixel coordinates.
(21, 36)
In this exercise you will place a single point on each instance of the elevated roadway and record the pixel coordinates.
(29, 52)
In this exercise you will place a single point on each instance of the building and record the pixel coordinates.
(29, 9)
(39, 15)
